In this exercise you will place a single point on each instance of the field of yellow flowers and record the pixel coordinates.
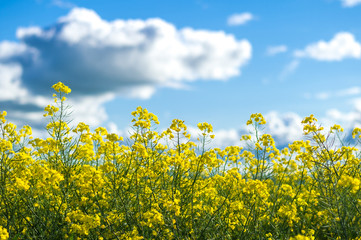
(79, 184)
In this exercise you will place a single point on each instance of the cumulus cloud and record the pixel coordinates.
(274, 50)
(239, 19)
(350, 3)
(97, 56)
(357, 104)
(347, 119)
(10, 84)
(342, 45)
(284, 127)
(9, 50)
(101, 59)
(90, 109)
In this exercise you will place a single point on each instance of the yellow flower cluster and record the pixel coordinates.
(84, 184)
(206, 128)
(50, 110)
(61, 88)
(82, 223)
(336, 127)
(2, 116)
(4, 235)
(349, 182)
(256, 118)
(356, 132)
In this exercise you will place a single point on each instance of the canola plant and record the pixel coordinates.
(83, 184)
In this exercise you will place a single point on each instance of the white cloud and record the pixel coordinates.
(239, 19)
(345, 119)
(357, 104)
(101, 59)
(31, 31)
(273, 50)
(113, 128)
(143, 92)
(350, 3)
(90, 109)
(348, 120)
(289, 69)
(285, 128)
(128, 54)
(227, 137)
(342, 45)
(347, 92)
(10, 82)
(11, 49)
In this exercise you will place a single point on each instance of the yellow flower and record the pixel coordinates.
(205, 127)
(309, 119)
(256, 118)
(336, 127)
(4, 235)
(60, 87)
(355, 132)
(2, 116)
(50, 110)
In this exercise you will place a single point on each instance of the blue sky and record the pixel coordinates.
(197, 60)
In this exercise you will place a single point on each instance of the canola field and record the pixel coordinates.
(83, 184)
